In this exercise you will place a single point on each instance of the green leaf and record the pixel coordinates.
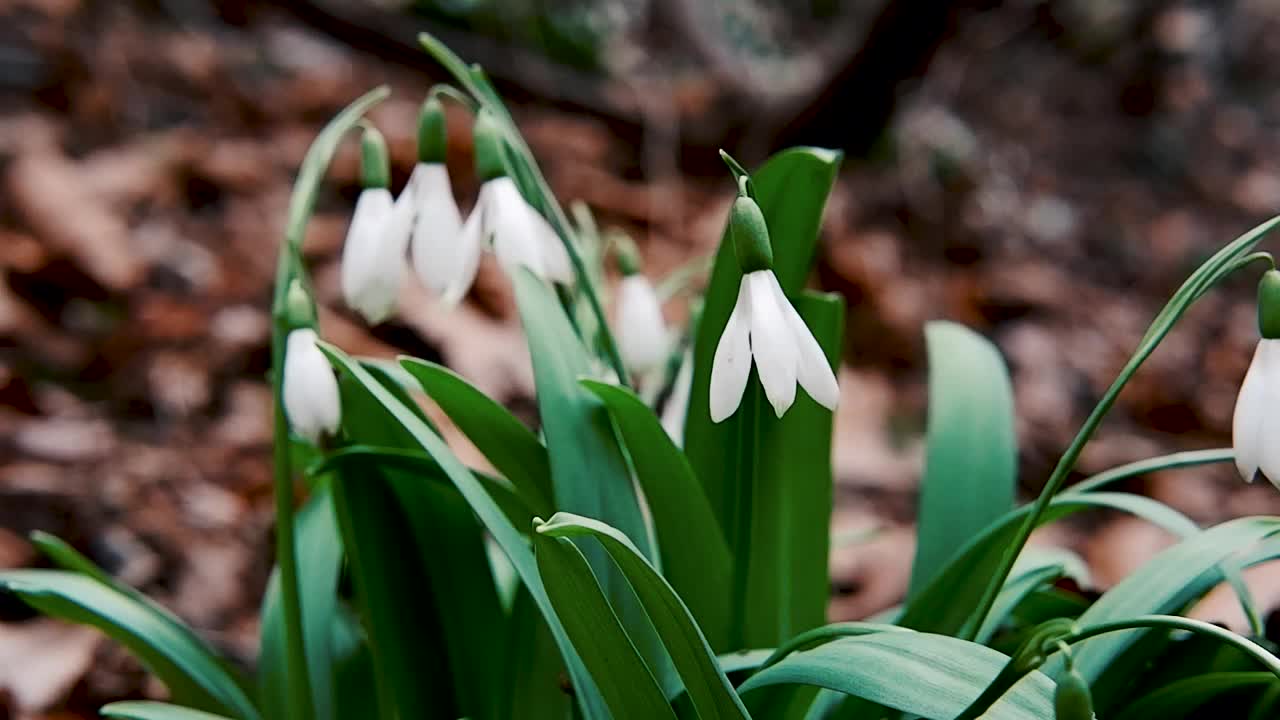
(708, 688)
(947, 603)
(625, 681)
(933, 676)
(1182, 698)
(695, 557)
(147, 710)
(491, 516)
(512, 448)
(971, 457)
(1165, 584)
(787, 583)
(319, 564)
(533, 665)
(186, 666)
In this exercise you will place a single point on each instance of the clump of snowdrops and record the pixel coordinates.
(657, 548)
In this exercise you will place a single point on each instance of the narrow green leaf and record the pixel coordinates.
(533, 665)
(1182, 698)
(491, 516)
(1165, 584)
(512, 448)
(148, 710)
(319, 564)
(627, 684)
(933, 676)
(949, 600)
(971, 456)
(187, 667)
(695, 557)
(708, 688)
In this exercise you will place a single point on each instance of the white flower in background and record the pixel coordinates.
(310, 390)
(643, 338)
(437, 226)
(677, 407)
(373, 257)
(1255, 429)
(766, 329)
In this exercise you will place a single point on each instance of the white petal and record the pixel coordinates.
(642, 333)
(731, 365)
(310, 391)
(1246, 425)
(772, 344)
(510, 224)
(812, 370)
(373, 258)
(1268, 447)
(677, 407)
(555, 258)
(466, 258)
(435, 246)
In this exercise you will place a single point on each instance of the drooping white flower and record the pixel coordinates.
(310, 390)
(676, 410)
(643, 338)
(373, 264)
(437, 227)
(1255, 428)
(766, 329)
(518, 233)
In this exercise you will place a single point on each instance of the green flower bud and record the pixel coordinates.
(1072, 700)
(300, 311)
(750, 236)
(375, 168)
(433, 139)
(489, 147)
(1269, 305)
(628, 259)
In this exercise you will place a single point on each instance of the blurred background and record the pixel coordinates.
(1045, 171)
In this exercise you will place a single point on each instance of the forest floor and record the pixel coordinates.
(1049, 181)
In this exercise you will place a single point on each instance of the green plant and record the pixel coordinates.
(613, 567)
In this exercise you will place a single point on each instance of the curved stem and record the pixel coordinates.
(1172, 461)
(826, 633)
(1173, 622)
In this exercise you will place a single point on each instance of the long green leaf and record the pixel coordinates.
(491, 516)
(695, 557)
(533, 665)
(627, 684)
(1184, 697)
(1165, 584)
(148, 710)
(512, 448)
(708, 688)
(948, 602)
(932, 676)
(188, 668)
(319, 564)
(971, 456)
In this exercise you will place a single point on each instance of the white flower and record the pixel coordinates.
(764, 326)
(373, 256)
(642, 333)
(435, 249)
(310, 391)
(677, 407)
(519, 235)
(1255, 431)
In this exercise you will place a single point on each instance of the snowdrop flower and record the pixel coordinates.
(1255, 430)
(766, 329)
(437, 222)
(503, 220)
(310, 391)
(373, 256)
(643, 339)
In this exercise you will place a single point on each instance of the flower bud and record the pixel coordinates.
(1072, 699)
(488, 147)
(627, 258)
(299, 309)
(433, 137)
(309, 389)
(375, 167)
(1269, 305)
(750, 236)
